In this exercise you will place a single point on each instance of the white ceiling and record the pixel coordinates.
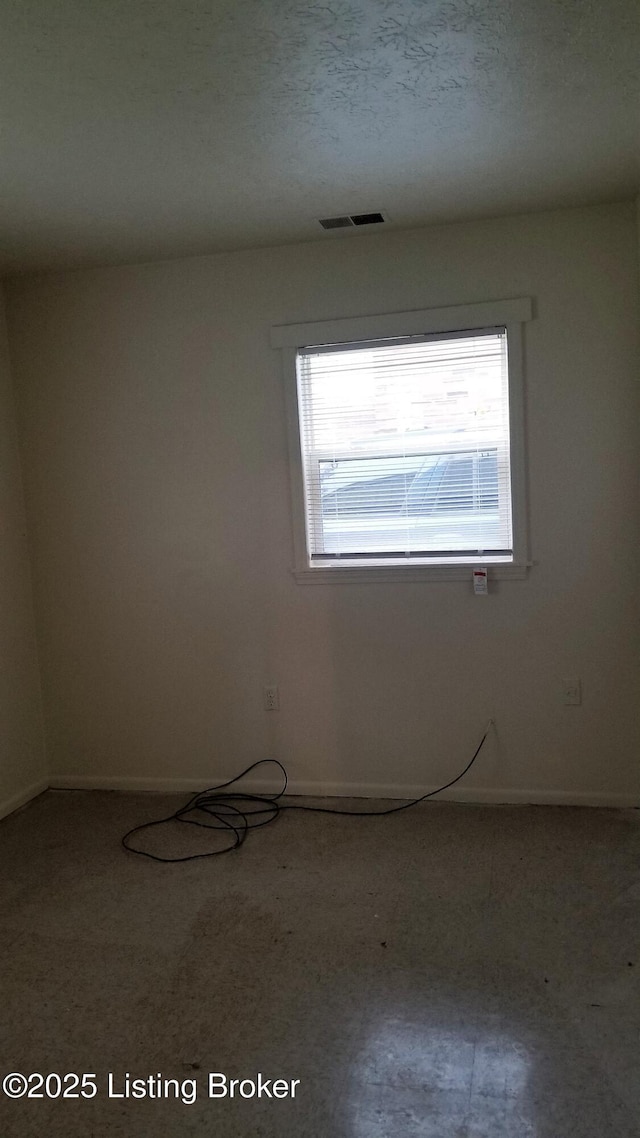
(136, 129)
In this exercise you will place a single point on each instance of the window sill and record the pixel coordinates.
(346, 575)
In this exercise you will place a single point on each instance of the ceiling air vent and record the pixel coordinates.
(352, 219)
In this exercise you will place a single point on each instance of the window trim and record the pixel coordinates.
(510, 314)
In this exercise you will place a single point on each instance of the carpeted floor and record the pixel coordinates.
(450, 972)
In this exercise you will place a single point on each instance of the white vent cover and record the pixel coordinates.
(348, 220)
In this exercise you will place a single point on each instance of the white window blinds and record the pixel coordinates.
(405, 449)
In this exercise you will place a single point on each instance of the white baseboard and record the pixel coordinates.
(21, 799)
(460, 793)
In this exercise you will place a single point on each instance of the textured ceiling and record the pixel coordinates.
(135, 129)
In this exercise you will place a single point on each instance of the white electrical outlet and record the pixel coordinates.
(271, 698)
(572, 692)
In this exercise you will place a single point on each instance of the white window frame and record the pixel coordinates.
(290, 338)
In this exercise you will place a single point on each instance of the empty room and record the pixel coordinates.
(319, 543)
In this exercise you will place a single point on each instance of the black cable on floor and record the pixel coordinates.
(238, 811)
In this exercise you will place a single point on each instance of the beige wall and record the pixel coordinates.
(22, 761)
(152, 422)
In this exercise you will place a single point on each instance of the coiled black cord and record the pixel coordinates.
(237, 812)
